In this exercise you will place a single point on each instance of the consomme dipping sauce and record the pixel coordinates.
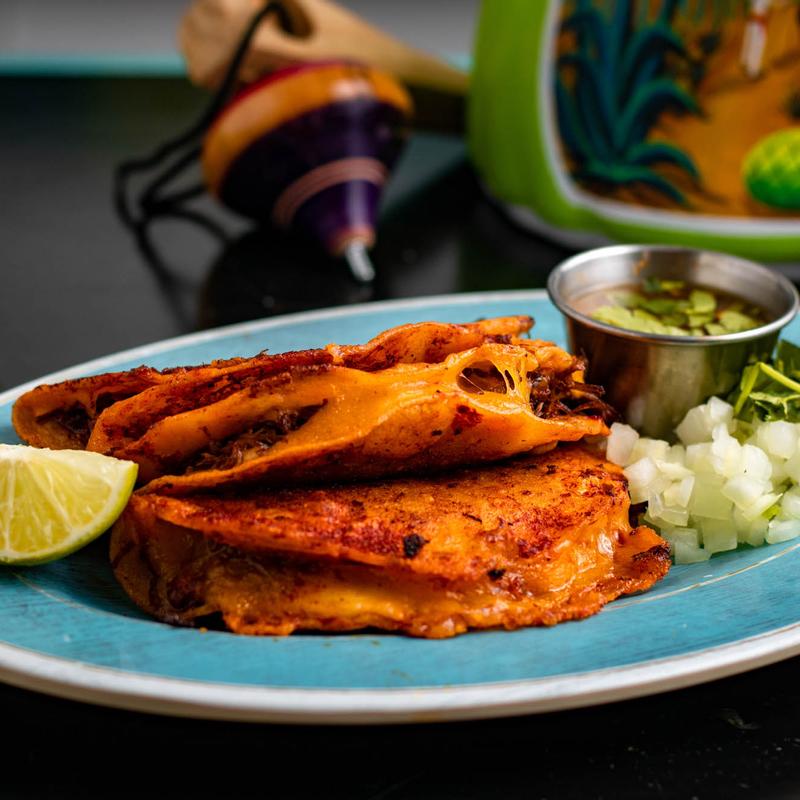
(653, 379)
(671, 307)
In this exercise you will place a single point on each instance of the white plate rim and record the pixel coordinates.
(106, 686)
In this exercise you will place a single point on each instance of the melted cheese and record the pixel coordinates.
(357, 402)
(368, 423)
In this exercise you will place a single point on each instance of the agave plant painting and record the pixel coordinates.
(611, 88)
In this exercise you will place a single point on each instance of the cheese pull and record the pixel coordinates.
(62, 415)
(417, 398)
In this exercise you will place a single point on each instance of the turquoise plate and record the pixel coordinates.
(67, 629)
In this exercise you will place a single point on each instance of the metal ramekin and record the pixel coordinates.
(653, 379)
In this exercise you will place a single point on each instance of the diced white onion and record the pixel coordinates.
(763, 504)
(698, 457)
(708, 501)
(743, 491)
(756, 463)
(677, 454)
(644, 479)
(655, 505)
(689, 536)
(792, 466)
(720, 412)
(790, 503)
(728, 482)
(695, 427)
(673, 515)
(640, 475)
(781, 530)
(672, 470)
(712, 527)
(726, 453)
(778, 438)
(779, 473)
(656, 449)
(680, 492)
(620, 444)
(750, 531)
(686, 554)
(719, 541)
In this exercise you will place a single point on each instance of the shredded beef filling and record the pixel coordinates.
(75, 420)
(552, 395)
(559, 394)
(78, 420)
(251, 443)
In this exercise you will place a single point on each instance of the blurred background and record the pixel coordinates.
(120, 36)
(495, 185)
(87, 85)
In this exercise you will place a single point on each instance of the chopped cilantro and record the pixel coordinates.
(769, 390)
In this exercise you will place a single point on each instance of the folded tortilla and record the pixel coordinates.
(533, 541)
(416, 398)
(61, 416)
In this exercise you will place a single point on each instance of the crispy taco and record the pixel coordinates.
(416, 398)
(536, 540)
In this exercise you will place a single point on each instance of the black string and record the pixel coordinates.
(150, 202)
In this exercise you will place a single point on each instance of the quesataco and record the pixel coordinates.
(410, 484)
(415, 398)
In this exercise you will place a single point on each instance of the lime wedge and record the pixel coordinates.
(54, 501)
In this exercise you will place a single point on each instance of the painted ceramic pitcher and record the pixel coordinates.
(645, 120)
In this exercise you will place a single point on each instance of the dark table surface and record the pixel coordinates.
(77, 286)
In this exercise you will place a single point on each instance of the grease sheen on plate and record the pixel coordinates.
(68, 629)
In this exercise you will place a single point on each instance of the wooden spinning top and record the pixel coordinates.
(310, 147)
